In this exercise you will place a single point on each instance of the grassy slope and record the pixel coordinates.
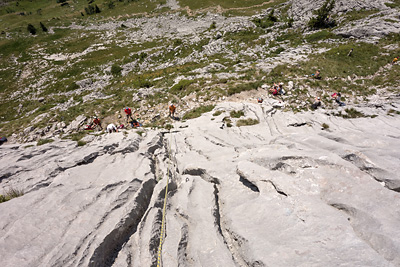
(27, 50)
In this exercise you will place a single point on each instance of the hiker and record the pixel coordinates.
(337, 97)
(96, 122)
(316, 103)
(128, 113)
(260, 100)
(395, 60)
(111, 128)
(172, 109)
(280, 89)
(317, 75)
(350, 52)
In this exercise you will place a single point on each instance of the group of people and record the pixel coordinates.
(337, 97)
(96, 123)
(277, 89)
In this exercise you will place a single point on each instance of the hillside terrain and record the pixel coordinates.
(146, 54)
(230, 181)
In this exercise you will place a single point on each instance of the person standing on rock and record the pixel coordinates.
(96, 122)
(128, 113)
(172, 110)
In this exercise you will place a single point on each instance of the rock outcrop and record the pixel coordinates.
(283, 192)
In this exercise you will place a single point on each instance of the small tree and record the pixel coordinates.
(322, 20)
(31, 29)
(43, 27)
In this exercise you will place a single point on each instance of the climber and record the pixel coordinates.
(172, 109)
(337, 97)
(316, 103)
(350, 52)
(96, 122)
(128, 113)
(395, 60)
(111, 128)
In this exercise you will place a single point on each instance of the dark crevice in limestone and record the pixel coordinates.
(378, 174)
(110, 148)
(279, 191)
(202, 173)
(88, 159)
(297, 124)
(182, 246)
(216, 212)
(107, 251)
(248, 184)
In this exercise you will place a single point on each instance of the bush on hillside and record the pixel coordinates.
(116, 70)
(43, 27)
(195, 113)
(31, 29)
(266, 22)
(10, 194)
(322, 19)
(92, 9)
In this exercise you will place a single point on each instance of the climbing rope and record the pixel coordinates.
(165, 204)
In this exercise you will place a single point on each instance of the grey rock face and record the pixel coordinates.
(279, 193)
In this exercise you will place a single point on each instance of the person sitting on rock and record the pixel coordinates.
(395, 60)
(172, 110)
(316, 103)
(260, 100)
(96, 122)
(280, 89)
(128, 113)
(111, 128)
(317, 75)
(274, 89)
(135, 123)
(2, 140)
(338, 97)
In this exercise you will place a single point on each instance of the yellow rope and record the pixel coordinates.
(165, 205)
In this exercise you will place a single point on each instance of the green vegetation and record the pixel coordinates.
(80, 143)
(116, 70)
(267, 21)
(247, 122)
(228, 121)
(322, 19)
(10, 194)
(44, 141)
(392, 111)
(359, 14)
(218, 112)
(321, 35)
(195, 113)
(325, 126)
(243, 87)
(237, 114)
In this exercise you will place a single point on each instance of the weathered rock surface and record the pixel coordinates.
(270, 194)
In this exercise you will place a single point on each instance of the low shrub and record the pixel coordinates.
(81, 143)
(195, 113)
(44, 141)
(247, 122)
(10, 194)
(237, 114)
(116, 70)
(325, 126)
(31, 29)
(218, 112)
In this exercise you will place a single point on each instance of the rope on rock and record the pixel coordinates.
(165, 205)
